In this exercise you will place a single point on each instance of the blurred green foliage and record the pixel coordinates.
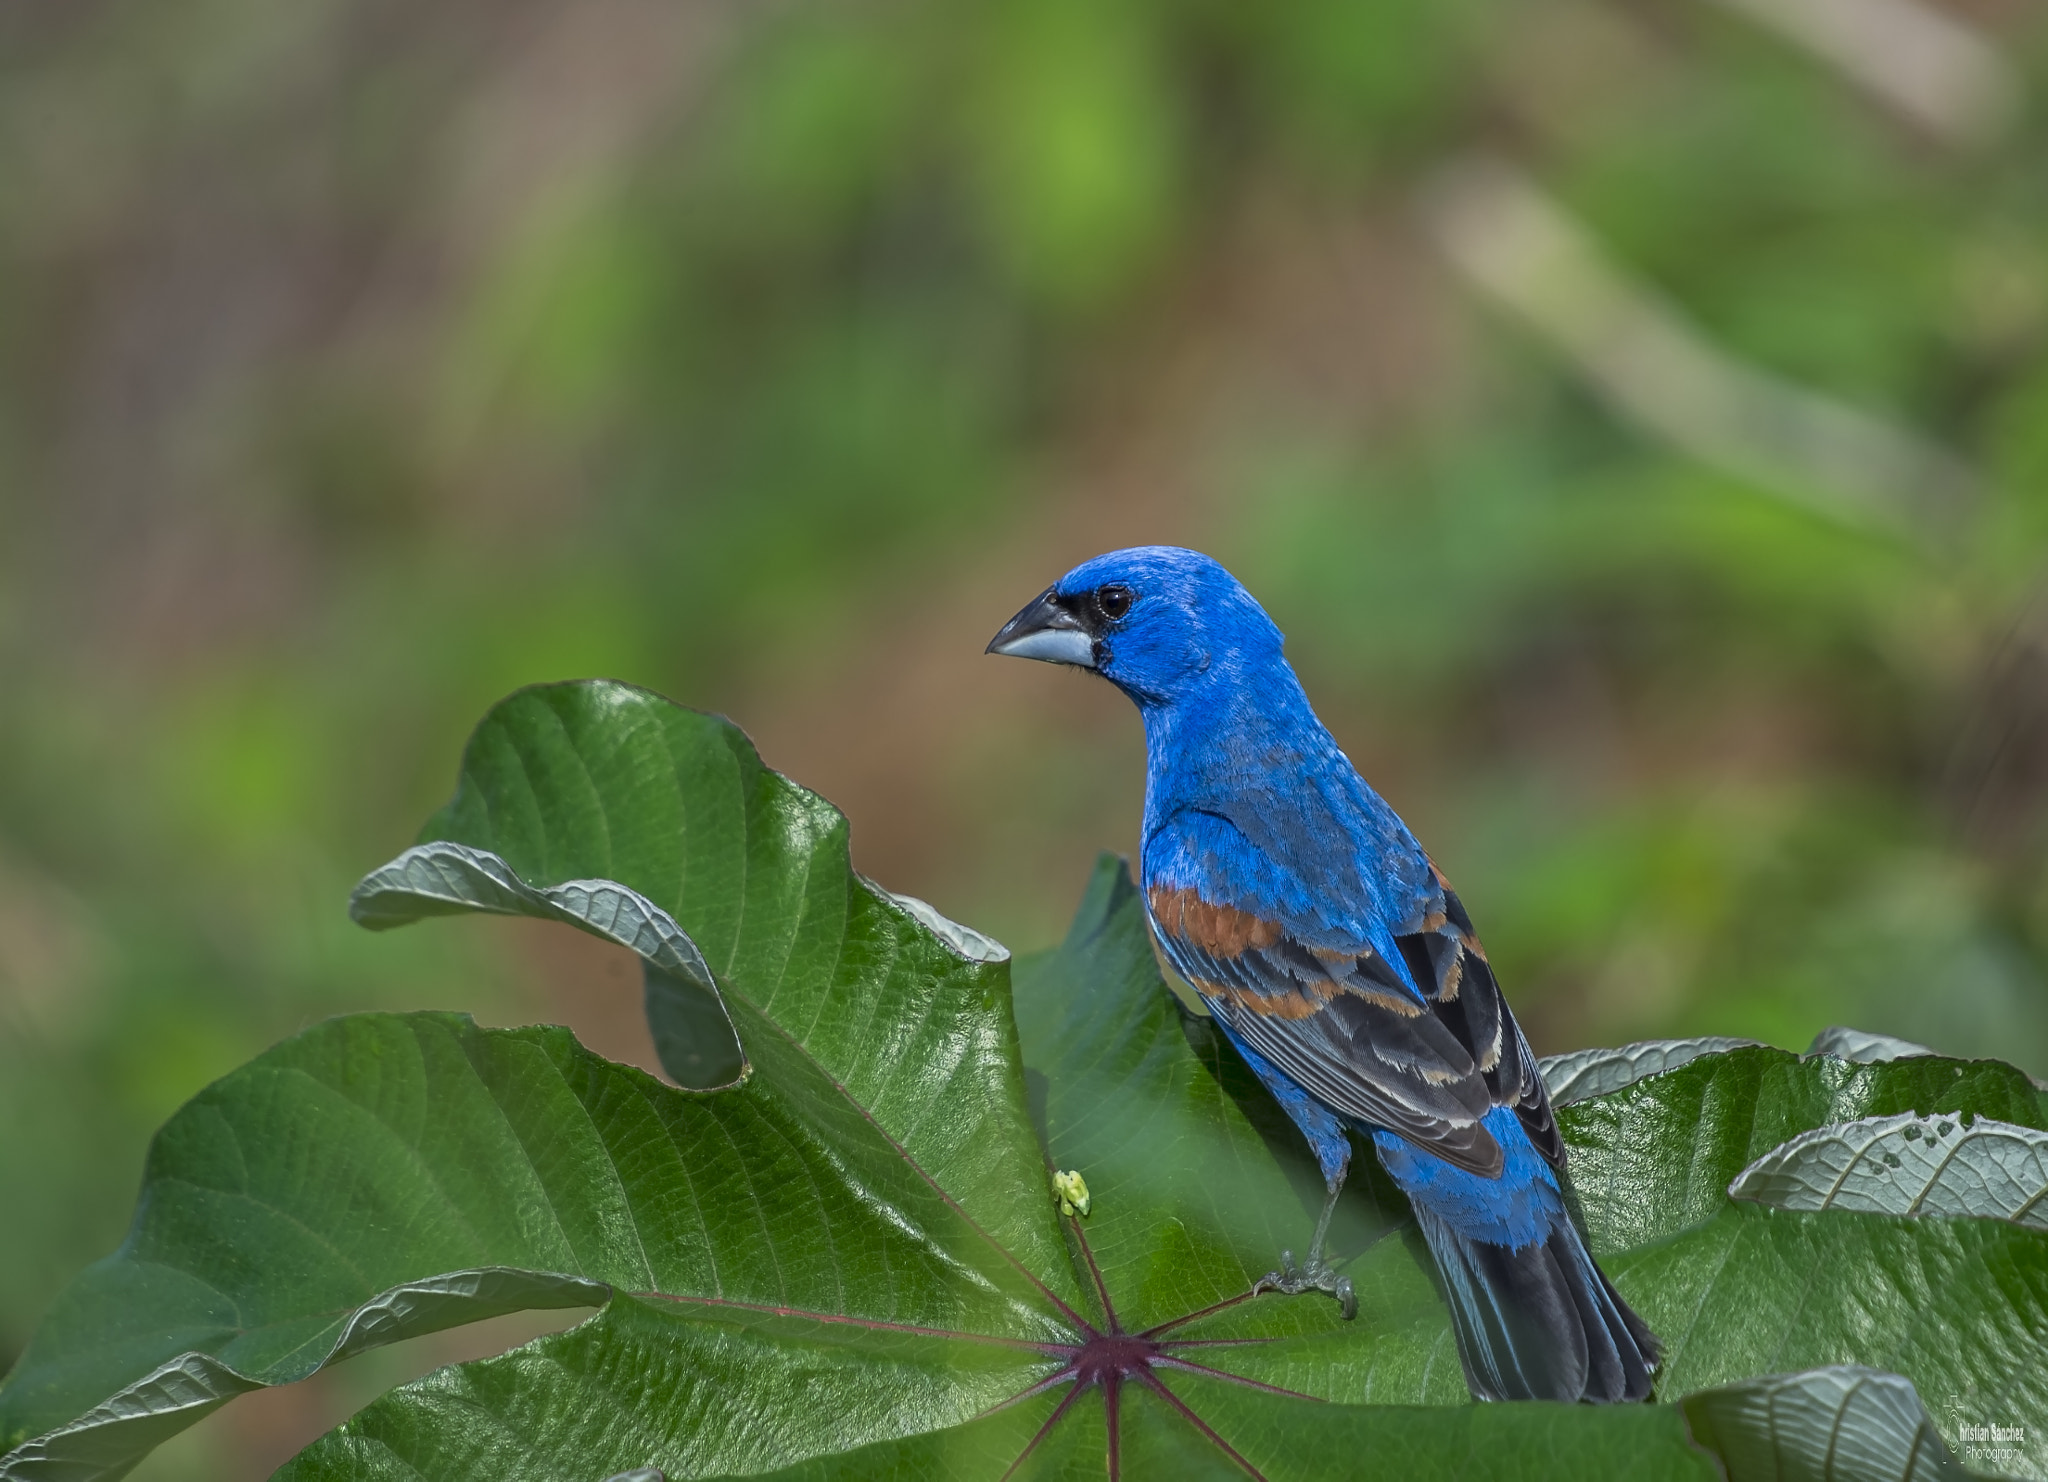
(362, 361)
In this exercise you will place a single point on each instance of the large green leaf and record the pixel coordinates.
(611, 785)
(1657, 1156)
(880, 1029)
(849, 1263)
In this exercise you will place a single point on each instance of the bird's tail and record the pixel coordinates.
(1539, 1321)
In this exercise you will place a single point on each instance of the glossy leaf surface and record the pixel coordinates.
(850, 1264)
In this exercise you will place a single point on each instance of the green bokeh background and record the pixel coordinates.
(363, 360)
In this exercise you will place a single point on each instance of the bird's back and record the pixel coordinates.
(1350, 965)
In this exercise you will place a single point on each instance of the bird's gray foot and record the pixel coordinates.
(1313, 1275)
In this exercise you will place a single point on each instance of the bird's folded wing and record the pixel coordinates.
(1423, 1047)
(1445, 959)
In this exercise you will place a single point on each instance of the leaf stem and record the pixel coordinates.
(1151, 1381)
(1061, 1376)
(873, 1324)
(1101, 1286)
(1213, 1307)
(951, 1203)
(1272, 1389)
(1112, 1389)
(1058, 1414)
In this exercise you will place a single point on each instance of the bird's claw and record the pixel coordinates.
(1316, 1275)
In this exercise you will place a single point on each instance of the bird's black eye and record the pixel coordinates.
(1114, 601)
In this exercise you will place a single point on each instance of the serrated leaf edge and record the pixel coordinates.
(441, 877)
(964, 941)
(1580, 1075)
(1863, 1047)
(1868, 1171)
(1890, 1415)
(199, 1381)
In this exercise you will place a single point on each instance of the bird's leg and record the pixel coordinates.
(1315, 1274)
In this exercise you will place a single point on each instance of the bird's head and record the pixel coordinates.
(1159, 622)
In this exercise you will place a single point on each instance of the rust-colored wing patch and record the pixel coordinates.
(1295, 1002)
(1223, 932)
(1251, 962)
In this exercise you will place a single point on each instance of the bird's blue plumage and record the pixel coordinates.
(1341, 965)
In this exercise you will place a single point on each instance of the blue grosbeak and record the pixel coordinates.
(1340, 964)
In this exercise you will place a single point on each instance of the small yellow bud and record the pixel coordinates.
(1071, 1192)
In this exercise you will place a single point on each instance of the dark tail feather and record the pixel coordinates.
(1542, 1322)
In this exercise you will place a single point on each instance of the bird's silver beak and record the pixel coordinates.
(1049, 629)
